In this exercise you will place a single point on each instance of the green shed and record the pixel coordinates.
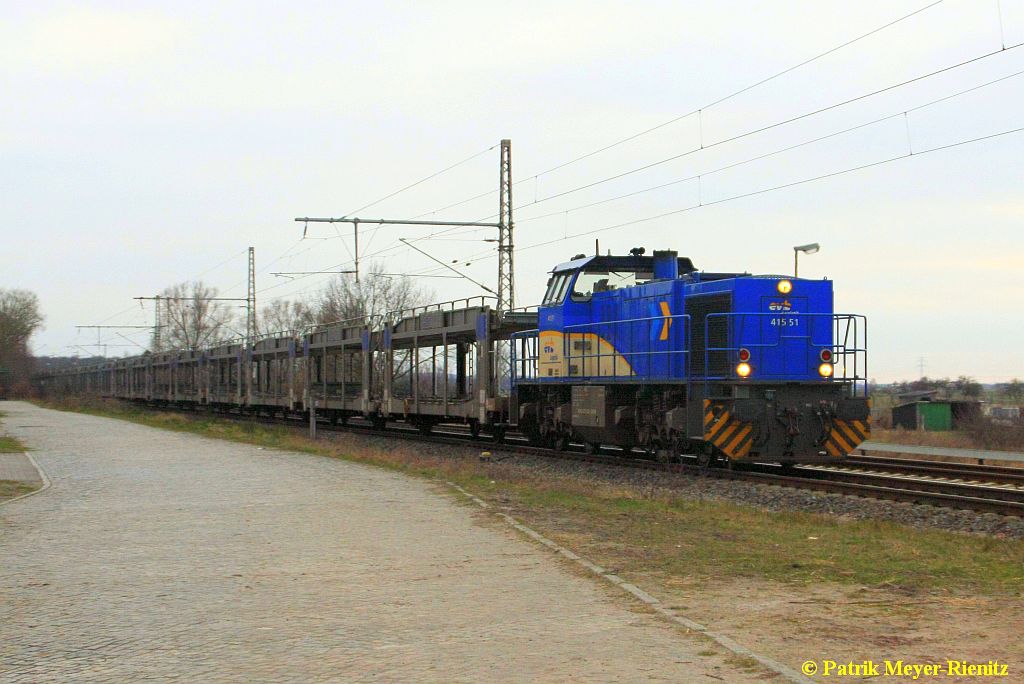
(936, 415)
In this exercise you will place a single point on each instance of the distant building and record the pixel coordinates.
(935, 414)
(1007, 413)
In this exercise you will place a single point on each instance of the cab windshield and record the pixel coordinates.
(557, 285)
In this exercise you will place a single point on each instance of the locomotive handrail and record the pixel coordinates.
(845, 336)
(411, 312)
(527, 363)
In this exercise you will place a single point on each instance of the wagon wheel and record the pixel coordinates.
(705, 459)
(498, 433)
(474, 429)
(593, 448)
(560, 442)
(531, 430)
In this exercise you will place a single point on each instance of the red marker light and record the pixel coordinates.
(744, 355)
(826, 354)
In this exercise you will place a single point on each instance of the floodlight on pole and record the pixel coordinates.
(810, 248)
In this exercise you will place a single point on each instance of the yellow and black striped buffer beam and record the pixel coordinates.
(846, 435)
(733, 437)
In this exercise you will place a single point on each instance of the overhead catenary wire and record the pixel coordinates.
(781, 186)
(477, 257)
(420, 181)
(138, 308)
(373, 232)
(769, 127)
(782, 150)
(489, 253)
(746, 134)
(391, 249)
(699, 110)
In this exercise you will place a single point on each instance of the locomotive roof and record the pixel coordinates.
(621, 263)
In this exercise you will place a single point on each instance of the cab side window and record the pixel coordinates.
(589, 283)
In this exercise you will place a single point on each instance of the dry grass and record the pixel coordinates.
(645, 533)
(978, 436)
(953, 440)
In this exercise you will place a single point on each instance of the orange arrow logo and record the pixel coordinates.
(667, 324)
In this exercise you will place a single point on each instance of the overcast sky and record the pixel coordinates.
(145, 144)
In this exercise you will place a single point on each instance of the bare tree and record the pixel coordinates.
(374, 295)
(369, 302)
(283, 316)
(192, 320)
(968, 386)
(19, 319)
(1015, 389)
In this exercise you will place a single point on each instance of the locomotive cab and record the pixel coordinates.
(595, 309)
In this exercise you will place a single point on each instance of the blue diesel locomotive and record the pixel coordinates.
(648, 352)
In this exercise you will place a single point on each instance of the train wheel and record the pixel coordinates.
(498, 434)
(593, 448)
(474, 429)
(425, 427)
(560, 442)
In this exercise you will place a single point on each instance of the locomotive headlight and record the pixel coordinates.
(743, 370)
(784, 287)
(825, 370)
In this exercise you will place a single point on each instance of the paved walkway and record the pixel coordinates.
(165, 556)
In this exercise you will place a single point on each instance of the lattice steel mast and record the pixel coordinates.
(506, 265)
(250, 301)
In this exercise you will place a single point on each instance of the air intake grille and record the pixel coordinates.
(717, 333)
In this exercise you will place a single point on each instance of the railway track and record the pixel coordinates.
(980, 488)
(988, 473)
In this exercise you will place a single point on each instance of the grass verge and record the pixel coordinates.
(640, 533)
(12, 488)
(10, 445)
